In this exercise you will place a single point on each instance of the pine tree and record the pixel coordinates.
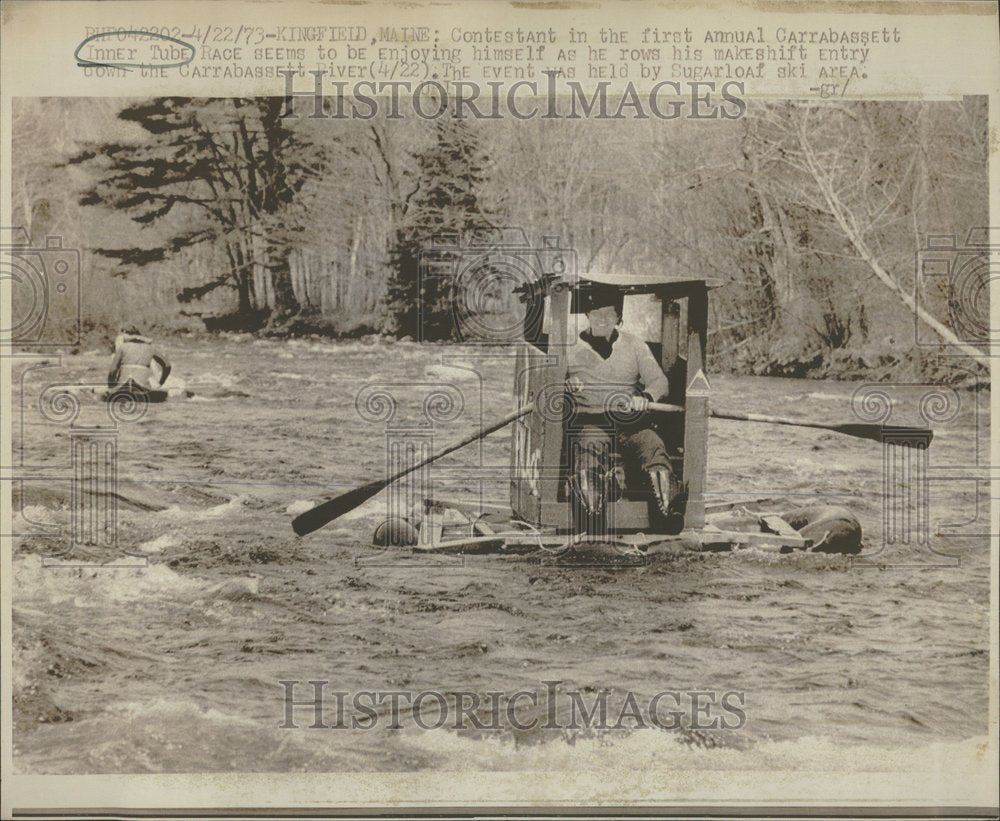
(444, 208)
(218, 172)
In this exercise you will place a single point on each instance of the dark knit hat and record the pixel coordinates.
(599, 296)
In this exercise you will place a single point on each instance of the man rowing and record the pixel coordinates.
(131, 366)
(606, 367)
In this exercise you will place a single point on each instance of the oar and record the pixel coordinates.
(327, 511)
(859, 429)
(331, 509)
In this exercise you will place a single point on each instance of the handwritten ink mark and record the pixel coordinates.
(84, 62)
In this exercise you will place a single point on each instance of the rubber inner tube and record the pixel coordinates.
(832, 529)
(395, 532)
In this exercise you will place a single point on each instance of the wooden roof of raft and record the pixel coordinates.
(672, 287)
(665, 287)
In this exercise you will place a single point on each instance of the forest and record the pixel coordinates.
(210, 215)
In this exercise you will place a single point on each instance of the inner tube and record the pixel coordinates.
(395, 532)
(136, 392)
(831, 528)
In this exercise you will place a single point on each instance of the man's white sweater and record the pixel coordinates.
(630, 363)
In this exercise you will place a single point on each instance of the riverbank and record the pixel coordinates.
(888, 361)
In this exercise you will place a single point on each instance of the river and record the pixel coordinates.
(166, 653)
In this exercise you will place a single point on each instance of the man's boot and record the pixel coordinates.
(587, 486)
(669, 499)
(614, 483)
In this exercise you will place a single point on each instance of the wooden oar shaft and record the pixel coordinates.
(877, 433)
(771, 420)
(663, 406)
(468, 440)
(749, 417)
(327, 511)
(888, 434)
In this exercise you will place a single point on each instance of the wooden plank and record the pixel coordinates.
(482, 528)
(670, 335)
(528, 436)
(721, 507)
(470, 507)
(516, 435)
(552, 384)
(696, 450)
(532, 540)
(698, 408)
(738, 537)
(697, 330)
(471, 544)
(778, 525)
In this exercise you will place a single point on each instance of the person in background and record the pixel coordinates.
(132, 361)
(612, 377)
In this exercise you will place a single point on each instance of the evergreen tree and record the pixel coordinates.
(443, 210)
(221, 172)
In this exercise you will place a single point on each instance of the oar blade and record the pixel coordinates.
(892, 434)
(324, 513)
(900, 434)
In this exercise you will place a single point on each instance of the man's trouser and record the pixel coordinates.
(599, 450)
